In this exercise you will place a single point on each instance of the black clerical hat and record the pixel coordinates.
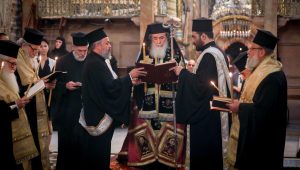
(95, 35)
(9, 48)
(79, 39)
(156, 28)
(33, 36)
(265, 39)
(202, 25)
(240, 61)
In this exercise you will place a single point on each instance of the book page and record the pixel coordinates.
(40, 85)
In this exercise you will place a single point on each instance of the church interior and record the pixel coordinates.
(234, 24)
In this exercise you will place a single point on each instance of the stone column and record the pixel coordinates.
(270, 19)
(204, 8)
(146, 17)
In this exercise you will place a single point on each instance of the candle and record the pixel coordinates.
(2, 65)
(38, 67)
(220, 92)
(144, 51)
(50, 94)
(231, 85)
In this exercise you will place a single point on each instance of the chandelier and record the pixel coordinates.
(234, 18)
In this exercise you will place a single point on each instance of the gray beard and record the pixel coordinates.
(252, 63)
(159, 52)
(77, 58)
(10, 80)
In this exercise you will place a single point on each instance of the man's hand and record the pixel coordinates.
(234, 106)
(176, 69)
(137, 72)
(22, 102)
(71, 85)
(50, 85)
(136, 81)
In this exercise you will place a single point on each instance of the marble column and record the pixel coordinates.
(204, 8)
(270, 18)
(146, 17)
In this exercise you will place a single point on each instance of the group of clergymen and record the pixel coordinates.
(91, 100)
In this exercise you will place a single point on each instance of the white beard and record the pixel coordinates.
(10, 80)
(159, 52)
(252, 63)
(76, 57)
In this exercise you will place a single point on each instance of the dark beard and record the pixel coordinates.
(199, 45)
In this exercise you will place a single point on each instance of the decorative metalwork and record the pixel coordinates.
(88, 8)
(234, 17)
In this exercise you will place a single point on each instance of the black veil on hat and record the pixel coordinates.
(265, 39)
(202, 25)
(95, 35)
(240, 61)
(79, 39)
(33, 36)
(9, 48)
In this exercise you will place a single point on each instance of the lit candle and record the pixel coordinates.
(50, 94)
(2, 65)
(231, 84)
(220, 92)
(144, 52)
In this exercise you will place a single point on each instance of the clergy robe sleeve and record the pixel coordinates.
(111, 95)
(12, 113)
(194, 91)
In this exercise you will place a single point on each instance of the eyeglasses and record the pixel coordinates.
(12, 63)
(33, 49)
(255, 48)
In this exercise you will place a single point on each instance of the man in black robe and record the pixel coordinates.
(207, 127)
(68, 102)
(9, 110)
(106, 101)
(257, 136)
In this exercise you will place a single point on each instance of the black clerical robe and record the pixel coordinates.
(101, 94)
(7, 158)
(263, 125)
(192, 107)
(67, 106)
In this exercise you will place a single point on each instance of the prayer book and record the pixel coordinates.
(54, 75)
(39, 86)
(219, 103)
(159, 73)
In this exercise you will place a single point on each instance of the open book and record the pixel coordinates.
(54, 75)
(39, 86)
(219, 103)
(158, 73)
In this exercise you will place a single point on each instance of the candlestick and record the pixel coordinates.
(2, 65)
(220, 92)
(231, 85)
(38, 67)
(50, 94)
(144, 52)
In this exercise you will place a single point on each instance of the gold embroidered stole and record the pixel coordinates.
(28, 76)
(267, 66)
(23, 144)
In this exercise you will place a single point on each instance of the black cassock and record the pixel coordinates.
(6, 145)
(67, 105)
(101, 94)
(192, 107)
(263, 125)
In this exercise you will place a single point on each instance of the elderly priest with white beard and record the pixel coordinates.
(16, 145)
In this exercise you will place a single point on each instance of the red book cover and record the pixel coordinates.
(158, 73)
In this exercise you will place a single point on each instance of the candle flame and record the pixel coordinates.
(56, 58)
(144, 44)
(212, 83)
(230, 74)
